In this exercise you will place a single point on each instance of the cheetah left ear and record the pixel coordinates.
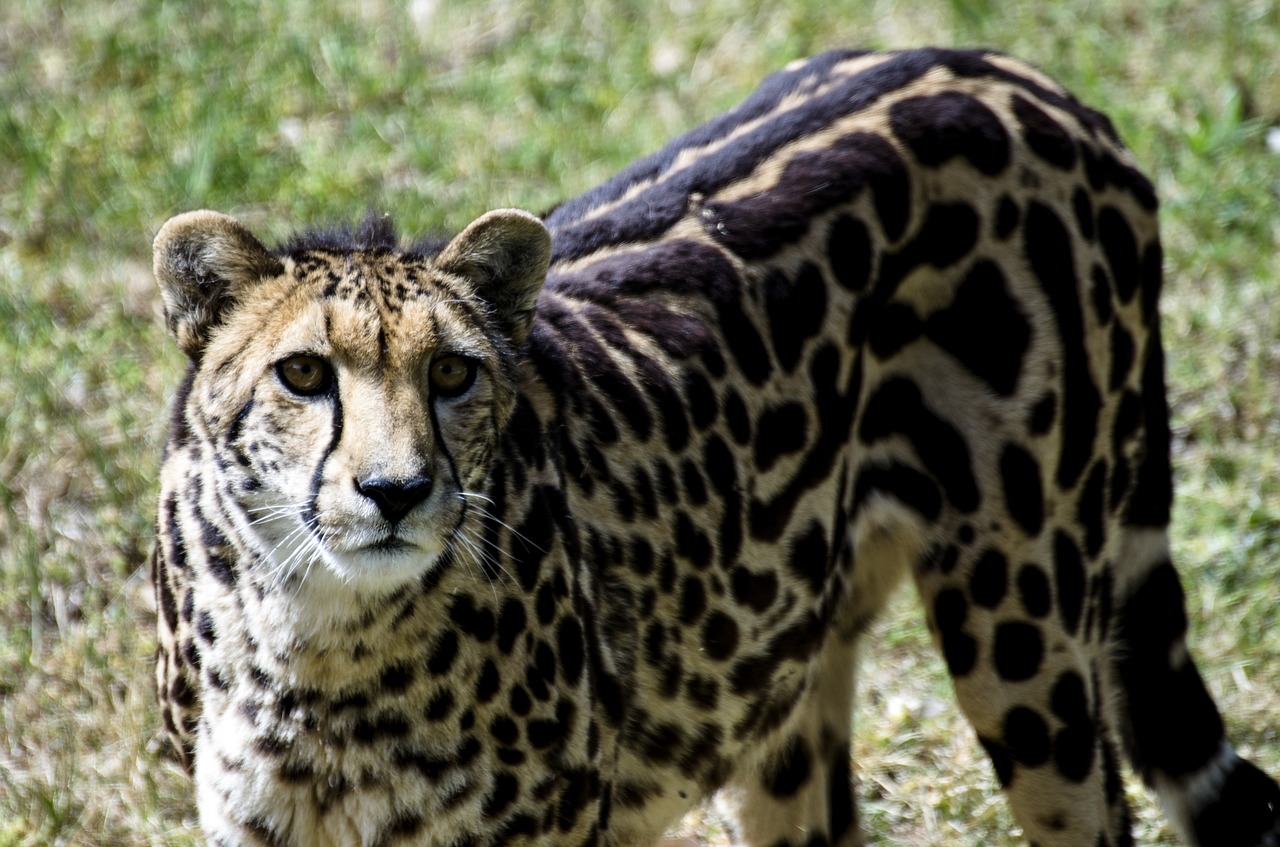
(504, 254)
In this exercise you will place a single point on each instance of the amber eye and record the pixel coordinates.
(305, 375)
(452, 375)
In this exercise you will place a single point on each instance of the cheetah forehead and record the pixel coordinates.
(214, 274)
(367, 311)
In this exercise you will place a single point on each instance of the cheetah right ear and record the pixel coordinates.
(204, 261)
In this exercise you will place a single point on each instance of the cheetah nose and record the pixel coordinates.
(395, 497)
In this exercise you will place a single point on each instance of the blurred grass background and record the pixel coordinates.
(115, 114)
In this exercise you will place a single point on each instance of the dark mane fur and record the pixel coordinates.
(377, 231)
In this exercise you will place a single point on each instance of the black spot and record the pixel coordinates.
(443, 654)
(756, 591)
(695, 488)
(1018, 650)
(983, 328)
(735, 412)
(659, 742)
(990, 579)
(796, 643)
(643, 490)
(1122, 353)
(571, 647)
(944, 560)
(1070, 699)
(1069, 576)
(744, 342)
(691, 543)
(849, 253)
(731, 528)
(479, 623)
(397, 678)
(703, 691)
(641, 558)
(1089, 508)
(655, 643)
(896, 326)
(897, 407)
(205, 627)
(487, 685)
(703, 407)
(796, 311)
(781, 430)
(511, 624)
(720, 636)
(1023, 493)
(841, 808)
(1048, 249)
(1152, 495)
(1082, 206)
(1007, 217)
(1045, 136)
(545, 604)
(1043, 414)
(791, 770)
(693, 600)
(1121, 250)
(810, 557)
(720, 465)
(948, 234)
(544, 659)
(1033, 585)
(937, 127)
(1027, 736)
(222, 567)
(505, 789)
(504, 730)
(1100, 294)
(1073, 750)
(440, 706)
(386, 725)
(960, 650)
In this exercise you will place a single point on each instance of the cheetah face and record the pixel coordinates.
(350, 399)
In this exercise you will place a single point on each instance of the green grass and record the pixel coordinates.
(114, 115)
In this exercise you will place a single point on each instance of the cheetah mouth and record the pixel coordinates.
(390, 544)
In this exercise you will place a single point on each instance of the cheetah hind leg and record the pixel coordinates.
(796, 790)
(1174, 733)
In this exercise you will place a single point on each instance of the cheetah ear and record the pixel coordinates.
(504, 254)
(204, 261)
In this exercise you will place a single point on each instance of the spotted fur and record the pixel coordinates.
(450, 556)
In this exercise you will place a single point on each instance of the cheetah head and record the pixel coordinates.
(350, 399)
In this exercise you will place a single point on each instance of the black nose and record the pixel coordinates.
(395, 497)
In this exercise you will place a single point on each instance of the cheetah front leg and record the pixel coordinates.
(796, 789)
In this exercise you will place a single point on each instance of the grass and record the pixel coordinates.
(114, 115)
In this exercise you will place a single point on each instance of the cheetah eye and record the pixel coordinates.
(452, 375)
(305, 375)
